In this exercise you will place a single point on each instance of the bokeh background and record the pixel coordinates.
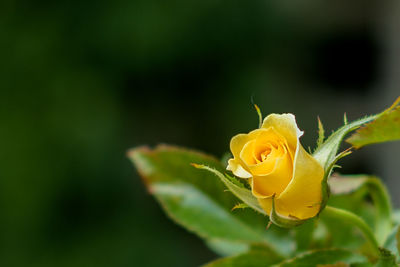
(81, 82)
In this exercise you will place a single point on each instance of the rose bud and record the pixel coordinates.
(278, 168)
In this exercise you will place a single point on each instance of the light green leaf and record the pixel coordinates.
(327, 151)
(226, 248)
(200, 214)
(257, 257)
(346, 184)
(384, 129)
(325, 256)
(198, 201)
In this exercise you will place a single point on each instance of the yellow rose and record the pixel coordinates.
(276, 165)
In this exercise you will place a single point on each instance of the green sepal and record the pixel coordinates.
(321, 133)
(251, 201)
(324, 183)
(283, 221)
(236, 187)
(326, 153)
(240, 206)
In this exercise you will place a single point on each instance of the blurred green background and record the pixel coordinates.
(84, 81)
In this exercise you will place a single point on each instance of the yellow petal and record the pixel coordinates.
(236, 165)
(285, 125)
(276, 181)
(237, 169)
(237, 143)
(303, 195)
(239, 140)
(247, 154)
(266, 141)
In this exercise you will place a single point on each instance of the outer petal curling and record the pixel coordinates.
(237, 169)
(286, 125)
(236, 146)
(302, 197)
(237, 143)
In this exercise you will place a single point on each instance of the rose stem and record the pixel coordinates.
(349, 217)
(383, 205)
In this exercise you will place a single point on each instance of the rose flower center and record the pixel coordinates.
(269, 151)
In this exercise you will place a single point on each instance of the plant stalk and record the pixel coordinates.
(351, 218)
(381, 199)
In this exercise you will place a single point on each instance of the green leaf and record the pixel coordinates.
(200, 214)
(198, 201)
(326, 152)
(324, 256)
(384, 129)
(341, 185)
(345, 184)
(257, 257)
(226, 248)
